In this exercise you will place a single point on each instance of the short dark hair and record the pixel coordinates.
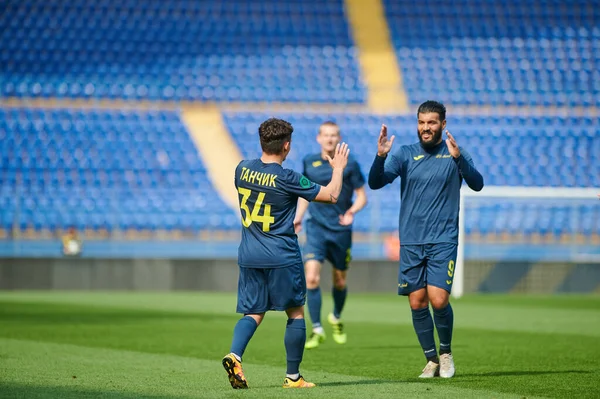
(432, 106)
(273, 134)
(329, 123)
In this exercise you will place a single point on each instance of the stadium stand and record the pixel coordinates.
(525, 53)
(112, 170)
(190, 50)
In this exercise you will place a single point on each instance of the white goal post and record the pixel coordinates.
(508, 192)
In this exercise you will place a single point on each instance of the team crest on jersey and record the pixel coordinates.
(304, 182)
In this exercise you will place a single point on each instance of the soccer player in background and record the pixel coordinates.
(329, 233)
(431, 173)
(270, 263)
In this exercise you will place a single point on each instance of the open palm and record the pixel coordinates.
(452, 146)
(384, 144)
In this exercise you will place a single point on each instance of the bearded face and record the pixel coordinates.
(429, 129)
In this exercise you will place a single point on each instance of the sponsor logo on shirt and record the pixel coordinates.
(419, 157)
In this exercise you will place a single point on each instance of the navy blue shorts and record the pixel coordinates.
(322, 243)
(260, 290)
(428, 264)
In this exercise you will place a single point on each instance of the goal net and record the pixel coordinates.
(528, 239)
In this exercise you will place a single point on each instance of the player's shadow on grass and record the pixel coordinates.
(382, 347)
(360, 382)
(353, 382)
(522, 372)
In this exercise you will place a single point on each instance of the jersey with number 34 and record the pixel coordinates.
(268, 195)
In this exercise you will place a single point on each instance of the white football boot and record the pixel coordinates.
(446, 365)
(431, 370)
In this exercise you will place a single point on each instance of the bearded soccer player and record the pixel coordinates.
(431, 173)
(329, 233)
(271, 274)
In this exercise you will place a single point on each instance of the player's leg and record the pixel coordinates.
(287, 291)
(314, 254)
(339, 291)
(440, 276)
(312, 269)
(243, 332)
(232, 362)
(423, 325)
(295, 335)
(253, 303)
(443, 317)
(412, 283)
(339, 254)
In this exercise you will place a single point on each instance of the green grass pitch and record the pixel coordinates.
(168, 345)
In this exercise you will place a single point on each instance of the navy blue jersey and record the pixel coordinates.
(268, 196)
(429, 190)
(320, 171)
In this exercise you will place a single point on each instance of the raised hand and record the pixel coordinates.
(452, 146)
(340, 157)
(384, 145)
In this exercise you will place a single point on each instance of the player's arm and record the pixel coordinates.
(359, 203)
(466, 167)
(331, 192)
(302, 204)
(381, 174)
(300, 211)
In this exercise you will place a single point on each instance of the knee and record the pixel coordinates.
(295, 313)
(258, 317)
(339, 282)
(416, 304)
(312, 271)
(418, 300)
(439, 301)
(312, 280)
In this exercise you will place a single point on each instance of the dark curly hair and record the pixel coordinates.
(273, 134)
(432, 106)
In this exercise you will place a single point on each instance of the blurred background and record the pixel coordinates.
(121, 123)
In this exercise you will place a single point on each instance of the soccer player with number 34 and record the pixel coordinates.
(270, 263)
(431, 173)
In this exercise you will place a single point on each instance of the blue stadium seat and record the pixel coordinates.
(266, 50)
(102, 169)
(502, 53)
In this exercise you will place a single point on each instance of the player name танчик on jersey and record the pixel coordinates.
(260, 178)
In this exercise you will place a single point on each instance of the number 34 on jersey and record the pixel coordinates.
(254, 215)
